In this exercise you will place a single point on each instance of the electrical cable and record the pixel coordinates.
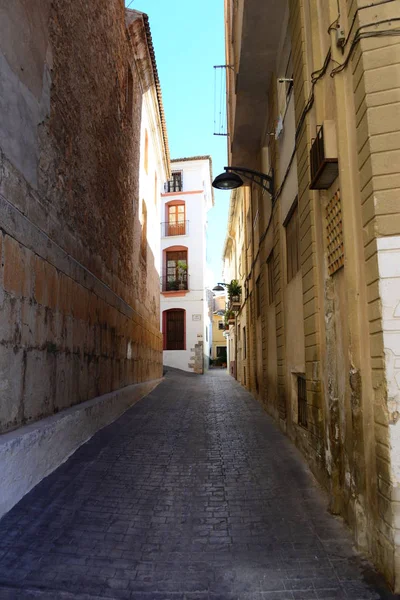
(356, 15)
(315, 77)
(362, 36)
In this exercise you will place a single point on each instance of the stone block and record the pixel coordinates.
(11, 378)
(17, 268)
(9, 319)
(65, 294)
(63, 378)
(39, 381)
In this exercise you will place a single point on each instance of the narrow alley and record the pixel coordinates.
(193, 493)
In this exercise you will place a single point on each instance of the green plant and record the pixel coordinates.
(234, 289)
(172, 285)
(229, 314)
(182, 267)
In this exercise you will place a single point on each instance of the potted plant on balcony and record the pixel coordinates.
(229, 317)
(172, 285)
(182, 271)
(234, 292)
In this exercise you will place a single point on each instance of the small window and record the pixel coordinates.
(174, 333)
(175, 183)
(292, 242)
(270, 273)
(302, 401)
(221, 325)
(143, 243)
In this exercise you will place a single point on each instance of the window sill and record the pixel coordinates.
(175, 293)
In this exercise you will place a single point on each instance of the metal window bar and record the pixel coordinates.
(172, 228)
(317, 152)
(174, 283)
(175, 183)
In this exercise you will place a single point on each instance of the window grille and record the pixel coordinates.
(334, 231)
(175, 183)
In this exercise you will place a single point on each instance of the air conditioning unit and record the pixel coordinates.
(324, 157)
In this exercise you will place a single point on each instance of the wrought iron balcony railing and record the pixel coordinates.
(174, 184)
(179, 228)
(170, 283)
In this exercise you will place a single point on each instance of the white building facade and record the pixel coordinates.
(185, 320)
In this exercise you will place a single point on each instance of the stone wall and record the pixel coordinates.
(79, 309)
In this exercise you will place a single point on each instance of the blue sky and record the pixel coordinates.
(188, 37)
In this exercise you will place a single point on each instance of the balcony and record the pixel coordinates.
(174, 184)
(169, 284)
(173, 229)
(324, 158)
(235, 302)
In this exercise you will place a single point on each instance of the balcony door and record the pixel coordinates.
(176, 219)
(176, 276)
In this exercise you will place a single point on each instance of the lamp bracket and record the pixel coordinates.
(266, 182)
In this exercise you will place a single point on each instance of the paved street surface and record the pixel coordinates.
(193, 494)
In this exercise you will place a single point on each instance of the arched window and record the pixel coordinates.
(174, 329)
(175, 218)
(175, 269)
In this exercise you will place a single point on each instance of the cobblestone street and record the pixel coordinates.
(192, 494)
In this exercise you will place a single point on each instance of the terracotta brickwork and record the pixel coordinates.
(79, 308)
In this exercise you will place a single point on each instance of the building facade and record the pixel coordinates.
(219, 344)
(79, 299)
(317, 334)
(187, 198)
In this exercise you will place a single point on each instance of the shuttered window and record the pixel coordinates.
(174, 329)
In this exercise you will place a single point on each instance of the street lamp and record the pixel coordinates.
(232, 179)
(219, 287)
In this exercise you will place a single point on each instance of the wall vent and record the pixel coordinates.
(334, 232)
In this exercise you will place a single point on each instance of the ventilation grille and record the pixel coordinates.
(334, 229)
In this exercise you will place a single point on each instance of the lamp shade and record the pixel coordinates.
(218, 288)
(227, 181)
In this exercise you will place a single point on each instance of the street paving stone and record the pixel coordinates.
(192, 494)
